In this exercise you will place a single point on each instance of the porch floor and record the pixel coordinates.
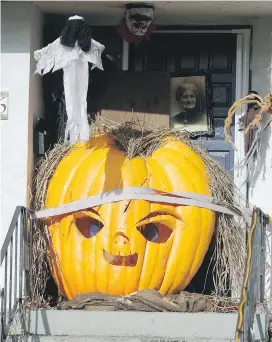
(80, 325)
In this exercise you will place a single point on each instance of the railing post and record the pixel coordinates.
(16, 261)
(30, 255)
(21, 258)
(5, 291)
(10, 276)
(255, 291)
(26, 292)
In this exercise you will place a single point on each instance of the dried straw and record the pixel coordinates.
(230, 249)
(40, 268)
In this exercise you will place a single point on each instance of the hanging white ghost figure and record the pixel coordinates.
(72, 52)
(139, 18)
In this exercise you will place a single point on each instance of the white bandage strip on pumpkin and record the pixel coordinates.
(146, 194)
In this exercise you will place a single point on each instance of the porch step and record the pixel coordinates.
(91, 326)
(112, 339)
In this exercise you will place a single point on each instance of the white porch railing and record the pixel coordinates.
(15, 265)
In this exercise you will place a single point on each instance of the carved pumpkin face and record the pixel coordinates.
(119, 248)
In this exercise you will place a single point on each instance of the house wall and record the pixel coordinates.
(36, 108)
(21, 34)
(261, 185)
(260, 188)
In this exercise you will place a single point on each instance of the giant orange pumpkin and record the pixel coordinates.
(123, 247)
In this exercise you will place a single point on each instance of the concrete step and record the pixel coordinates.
(80, 325)
(112, 339)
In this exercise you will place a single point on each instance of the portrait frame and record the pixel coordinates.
(199, 120)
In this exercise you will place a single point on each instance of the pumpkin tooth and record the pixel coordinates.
(121, 260)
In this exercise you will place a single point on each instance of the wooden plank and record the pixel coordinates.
(146, 194)
(142, 97)
(143, 120)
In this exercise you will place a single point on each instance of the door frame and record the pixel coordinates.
(243, 47)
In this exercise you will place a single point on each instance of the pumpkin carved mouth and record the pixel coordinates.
(121, 260)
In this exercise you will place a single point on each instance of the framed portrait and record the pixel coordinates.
(191, 104)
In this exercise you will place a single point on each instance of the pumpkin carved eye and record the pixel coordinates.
(88, 226)
(155, 232)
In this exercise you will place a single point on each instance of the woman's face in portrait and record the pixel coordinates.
(188, 99)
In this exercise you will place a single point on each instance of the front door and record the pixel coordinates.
(185, 53)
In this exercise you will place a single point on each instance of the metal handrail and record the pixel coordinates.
(254, 278)
(15, 258)
(11, 229)
(255, 289)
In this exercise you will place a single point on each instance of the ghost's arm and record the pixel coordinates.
(56, 56)
(94, 55)
(48, 57)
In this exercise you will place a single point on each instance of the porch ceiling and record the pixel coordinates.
(176, 12)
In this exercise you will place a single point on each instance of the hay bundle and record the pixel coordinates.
(230, 251)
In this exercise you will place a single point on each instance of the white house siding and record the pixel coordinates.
(261, 189)
(35, 87)
(21, 28)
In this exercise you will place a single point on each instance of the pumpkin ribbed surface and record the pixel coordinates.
(122, 247)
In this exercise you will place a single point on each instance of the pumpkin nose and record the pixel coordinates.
(120, 244)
